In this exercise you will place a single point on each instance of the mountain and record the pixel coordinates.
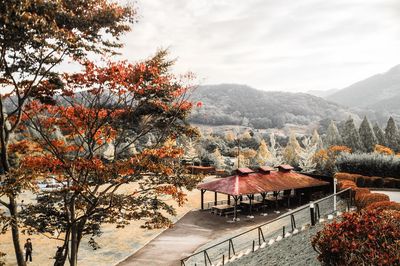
(232, 104)
(322, 93)
(380, 93)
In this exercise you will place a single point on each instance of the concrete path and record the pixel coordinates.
(194, 230)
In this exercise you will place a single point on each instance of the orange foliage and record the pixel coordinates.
(339, 149)
(347, 176)
(343, 184)
(366, 199)
(384, 205)
(383, 150)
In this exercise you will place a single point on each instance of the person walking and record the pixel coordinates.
(28, 250)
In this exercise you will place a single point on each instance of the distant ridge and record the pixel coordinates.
(380, 92)
(233, 104)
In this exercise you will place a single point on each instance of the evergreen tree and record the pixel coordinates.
(292, 151)
(317, 141)
(332, 137)
(367, 136)
(263, 154)
(276, 153)
(380, 135)
(307, 162)
(350, 136)
(392, 135)
(218, 160)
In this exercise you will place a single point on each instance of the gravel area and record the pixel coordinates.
(295, 250)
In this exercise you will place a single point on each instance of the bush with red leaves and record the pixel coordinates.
(385, 205)
(367, 238)
(365, 199)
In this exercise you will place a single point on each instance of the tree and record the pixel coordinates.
(350, 136)
(276, 157)
(367, 136)
(263, 153)
(332, 137)
(121, 101)
(307, 162)
(316, 140)
(35, 37)
(218, 159)
(292, 151)
(380, 135)
(392, 135)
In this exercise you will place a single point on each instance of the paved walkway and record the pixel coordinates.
(194, 230)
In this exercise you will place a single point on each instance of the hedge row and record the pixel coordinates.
(369, 181)
(369, 164)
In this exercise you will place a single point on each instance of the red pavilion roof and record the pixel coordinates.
(254, 183)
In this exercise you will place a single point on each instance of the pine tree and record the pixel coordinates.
(350, 136)
(380, 135)
(392, 135)
(276, 153)
(263, 154)
(307, 162)
(317, 141)
(218, 160)
(367, 136)
(332, 137)
(292, 150)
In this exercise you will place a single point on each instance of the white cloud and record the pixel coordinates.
(269, 44)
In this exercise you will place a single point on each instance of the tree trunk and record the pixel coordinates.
(74, 236)
(15, 232)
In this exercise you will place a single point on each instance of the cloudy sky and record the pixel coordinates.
(292, 45)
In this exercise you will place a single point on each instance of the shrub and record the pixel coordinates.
(397, 183)
(369, 164)
(367, 238)
(359, 191)
(377, 181)
(343, 184)
(389, 182)
(346, 176)
(360, 181)
(384, 205)
(365, 199)
(368, 181)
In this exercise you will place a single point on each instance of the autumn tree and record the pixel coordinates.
(392, 135)
(218, 159)
(350, 135)
(292, 151)
(367, 135)
(35, 37)
(100, 106)
(332, 137)
(316, 140)
(379, 134)
(263, 153)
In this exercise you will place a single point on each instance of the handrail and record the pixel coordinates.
(264, 224)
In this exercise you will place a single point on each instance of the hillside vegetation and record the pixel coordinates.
(231, 104)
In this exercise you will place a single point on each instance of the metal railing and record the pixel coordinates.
(250, 240)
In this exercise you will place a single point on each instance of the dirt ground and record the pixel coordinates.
(116, 244)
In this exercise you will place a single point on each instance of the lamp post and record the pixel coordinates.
(334, 194)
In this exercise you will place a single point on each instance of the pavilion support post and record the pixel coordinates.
(263, 195)
(215, 198)
(202, 198)
(250, 201)
(229, 199)
(235, 198)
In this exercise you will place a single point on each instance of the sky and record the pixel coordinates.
(289, 45)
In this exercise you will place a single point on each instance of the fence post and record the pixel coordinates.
(312, 214)
(254, 242)
(283, 232)
(293, 222)
(260, 235)
(223, 259)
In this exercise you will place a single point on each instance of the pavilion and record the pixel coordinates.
(248, 183)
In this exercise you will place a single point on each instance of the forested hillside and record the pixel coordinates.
(232, 104)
